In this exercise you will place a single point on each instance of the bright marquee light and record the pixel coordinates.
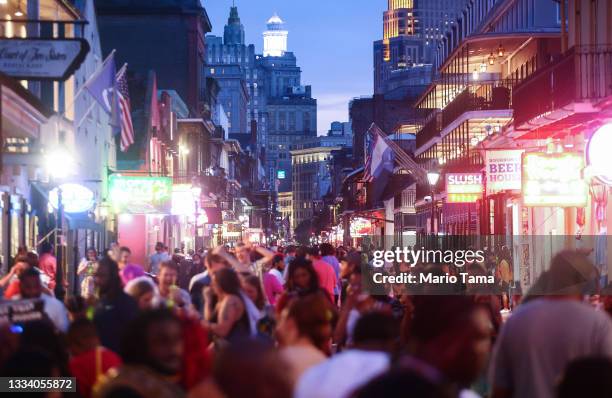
(598, 154)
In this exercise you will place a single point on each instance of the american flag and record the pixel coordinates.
(127, 128)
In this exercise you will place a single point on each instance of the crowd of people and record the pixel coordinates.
(295, 321)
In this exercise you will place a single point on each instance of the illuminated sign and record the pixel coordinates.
(75, 198)
(183, 200)
(554, 180)
(463, 187)
(503, 170)
(281, 175)
(41, 59)
(360, 227)
(140, 195)
(598, 154)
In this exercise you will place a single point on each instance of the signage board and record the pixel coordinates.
(554, 180)
(503, 170)
(76, 198)
(140, 195)
(598, 154)
(281, 174)
(183, 200)
(360, 227)
(464, 187)
(41, 59)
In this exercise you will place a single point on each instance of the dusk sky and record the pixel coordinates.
(332, 40)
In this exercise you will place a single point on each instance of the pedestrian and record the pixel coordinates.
(304, 332)
(375, 338)
(115, 309)
(127, 270)
(212, 262)
(155, 259)
(89, 361)
(30, 287)
(550, 329)
(587, 377)
(449, 343)
(247, 369)
(170, 295)
(228, 319)
(152, 351)
(10, 282)
(273, 288)
(328, 254)
(48, 264)
(301, 281)
(325, 272)
(143, 291)
(277, 268)
(86, 270)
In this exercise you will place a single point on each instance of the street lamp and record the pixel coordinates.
(60, 164)
(433, 177)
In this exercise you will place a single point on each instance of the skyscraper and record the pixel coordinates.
(411, 31)
(275, 38)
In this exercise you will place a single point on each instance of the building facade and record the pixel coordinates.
(311, 181)
(411, 31)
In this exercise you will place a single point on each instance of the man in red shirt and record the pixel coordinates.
(325, 272)
(48, 264)
(89, 360)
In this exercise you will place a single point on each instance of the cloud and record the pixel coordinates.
(332, 107)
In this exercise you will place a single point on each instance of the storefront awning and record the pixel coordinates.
(83, 221)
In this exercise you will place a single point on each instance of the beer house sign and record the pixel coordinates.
(41, 59)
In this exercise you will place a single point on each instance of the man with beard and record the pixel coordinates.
(152, 351)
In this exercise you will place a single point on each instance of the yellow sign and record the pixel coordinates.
(554, 180)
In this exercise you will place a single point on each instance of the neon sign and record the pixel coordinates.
(463, 187)
(554, 180)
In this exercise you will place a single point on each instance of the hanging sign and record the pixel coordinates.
(41, 59)
(463, 187)
(503, 170)
(76, 198)
(554, 180)
(140, 195)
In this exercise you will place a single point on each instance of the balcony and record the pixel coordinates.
(484, 96)
(582, 75)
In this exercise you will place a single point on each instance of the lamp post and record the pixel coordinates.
(432, 178)
(60, 165)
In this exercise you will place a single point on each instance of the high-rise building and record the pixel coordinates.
(275, 38)
(411, 30)
(232, 63)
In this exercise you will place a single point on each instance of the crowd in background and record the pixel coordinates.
(304, 322)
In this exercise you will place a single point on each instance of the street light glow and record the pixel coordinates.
(60, 163)
(433, 177)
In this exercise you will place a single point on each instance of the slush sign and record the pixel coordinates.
(554, 180)
(503, 170)
(463, 187)
(140, 195)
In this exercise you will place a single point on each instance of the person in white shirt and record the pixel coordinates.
(374, 335)
(30, 287)
(278, 266)
(549, 330)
